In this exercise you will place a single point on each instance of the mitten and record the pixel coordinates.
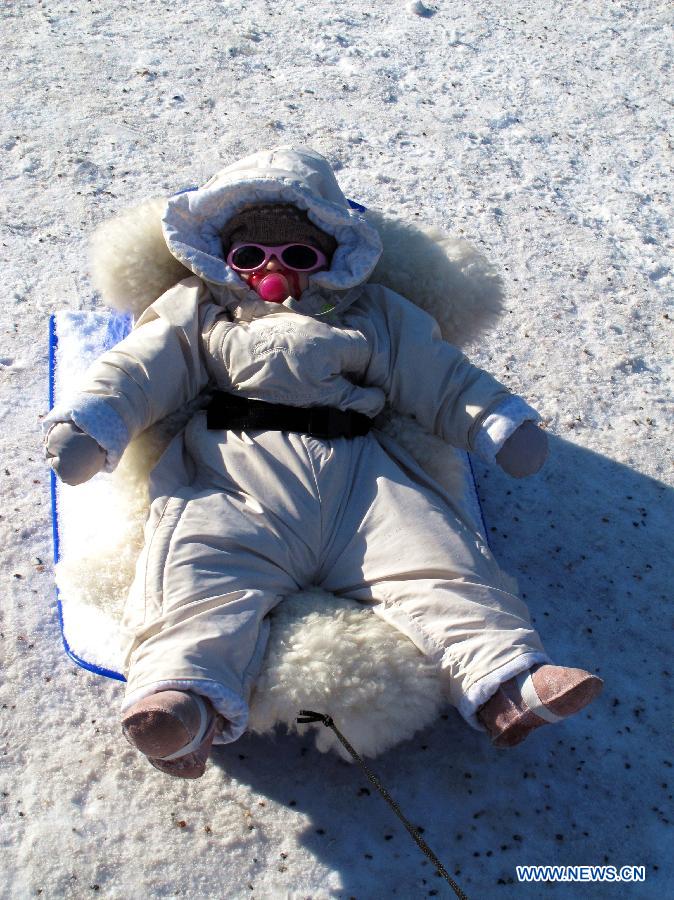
(524, 452)
(72, 454)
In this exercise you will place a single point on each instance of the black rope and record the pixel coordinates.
(307, 717)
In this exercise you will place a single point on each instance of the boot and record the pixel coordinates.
(543, 695)
(174, 729)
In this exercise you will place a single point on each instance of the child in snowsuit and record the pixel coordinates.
(284, 482)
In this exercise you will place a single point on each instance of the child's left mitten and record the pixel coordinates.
(73, 455)
(524, 452)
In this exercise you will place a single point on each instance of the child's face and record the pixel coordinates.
(277, 272)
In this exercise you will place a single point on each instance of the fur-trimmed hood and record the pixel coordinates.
(132, 266)
(193, 221)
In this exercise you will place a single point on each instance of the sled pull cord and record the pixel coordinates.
(306, 717)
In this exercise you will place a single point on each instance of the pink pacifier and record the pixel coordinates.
(274, 287)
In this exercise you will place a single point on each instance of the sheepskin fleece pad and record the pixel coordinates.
(324, 653)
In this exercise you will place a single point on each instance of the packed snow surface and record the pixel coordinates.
(536, 130)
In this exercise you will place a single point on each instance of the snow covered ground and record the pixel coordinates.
(537, 130)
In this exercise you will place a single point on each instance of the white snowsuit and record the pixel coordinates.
(240, 519)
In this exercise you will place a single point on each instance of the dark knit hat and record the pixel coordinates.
(280, 223)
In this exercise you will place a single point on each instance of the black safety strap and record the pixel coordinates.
(307, 717)
(230, 411)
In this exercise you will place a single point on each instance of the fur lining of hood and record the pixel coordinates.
(131, 267)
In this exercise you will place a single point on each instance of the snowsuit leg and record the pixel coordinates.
(399, 542)
(239, 521)
(213, 565)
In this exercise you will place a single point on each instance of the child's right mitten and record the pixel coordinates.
(72, 454)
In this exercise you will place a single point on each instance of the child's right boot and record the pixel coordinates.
(174, 729)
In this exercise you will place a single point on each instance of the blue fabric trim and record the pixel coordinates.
(356, 206)
(479, 504)
(185, 190)
(82, 663)
(53, 344)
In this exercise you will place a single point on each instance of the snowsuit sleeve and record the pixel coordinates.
(425, 377)
(154, 371)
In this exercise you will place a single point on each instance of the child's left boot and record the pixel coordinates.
(542, 695)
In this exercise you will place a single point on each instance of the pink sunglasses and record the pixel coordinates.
(248, 257)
